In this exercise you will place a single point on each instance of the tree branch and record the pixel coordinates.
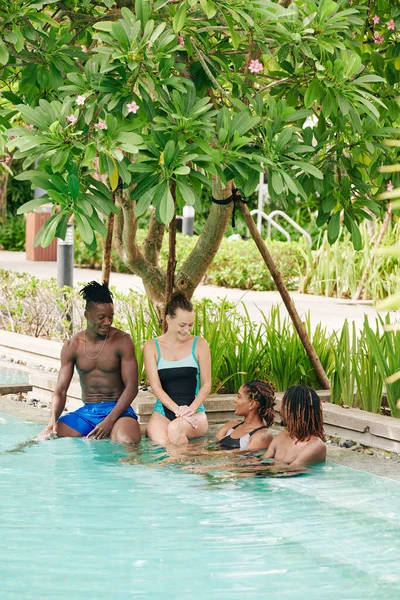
(195, 266)
(153, 241)
(203, 63)
(125, 242)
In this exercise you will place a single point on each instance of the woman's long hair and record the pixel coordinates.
(302, 413)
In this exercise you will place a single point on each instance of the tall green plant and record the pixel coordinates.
(386, 351)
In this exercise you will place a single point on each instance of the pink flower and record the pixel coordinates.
(71, 119)
(132, 107)
(255, 66)
(29, 126)
(181, 41)
(7, 160)
(80, 100)
(390, 24)
(375, 19)
(351, 3)
(378, 39)
(101, 124)
(390, 186)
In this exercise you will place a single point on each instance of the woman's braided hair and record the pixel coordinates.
(263, 392)
(302, 413)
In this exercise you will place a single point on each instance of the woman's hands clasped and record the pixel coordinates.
(187, 413)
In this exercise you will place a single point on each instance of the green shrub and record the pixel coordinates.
(237, 264)
(12, 233)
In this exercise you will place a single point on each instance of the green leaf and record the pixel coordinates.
(84, 228)
(310, 169)
(143, 10)
(49, 231)
(186, 192)
(303, 113)
(284, 137)
(3, 53)
(327, 8)
(291, 184)
(103, 26)
(73, 186)
(144, 202)
(277, 182)
(32, 204)
(243, 122)
(169, 152)
(180, 17)
(182, 170)
(167, 207)
(334, 228)
(312, 93)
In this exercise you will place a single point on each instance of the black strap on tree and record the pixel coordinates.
(235, 197)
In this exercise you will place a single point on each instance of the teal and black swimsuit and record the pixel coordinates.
(180, 379)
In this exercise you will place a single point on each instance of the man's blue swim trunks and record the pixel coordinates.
(85, 419)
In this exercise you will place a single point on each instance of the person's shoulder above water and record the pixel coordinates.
(293, 451)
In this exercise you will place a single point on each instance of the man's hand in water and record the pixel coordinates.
(102, 430)
(49, 431)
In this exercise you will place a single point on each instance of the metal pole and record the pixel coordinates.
(65, 259)
(188, 220)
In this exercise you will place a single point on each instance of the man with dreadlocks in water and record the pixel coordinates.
(105, 359)
(302, 443)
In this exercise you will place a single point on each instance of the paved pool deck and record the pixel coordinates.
(332, 312)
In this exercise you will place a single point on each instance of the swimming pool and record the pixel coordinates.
(10, 376)
(76, 523)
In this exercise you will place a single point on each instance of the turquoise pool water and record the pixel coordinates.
(77, 523)
(9, 376)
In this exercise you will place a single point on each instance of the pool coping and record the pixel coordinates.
(36, 354)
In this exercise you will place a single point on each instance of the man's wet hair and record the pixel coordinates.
(263, 392)
(302, 413)
(178, 300)
(96, 293)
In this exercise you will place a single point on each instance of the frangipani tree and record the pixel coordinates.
(166, 98)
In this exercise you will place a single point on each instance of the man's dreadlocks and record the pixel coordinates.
(96, 293)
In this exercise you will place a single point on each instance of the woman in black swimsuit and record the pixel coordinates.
(255, 402)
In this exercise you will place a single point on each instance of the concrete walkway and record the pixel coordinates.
(329, 311)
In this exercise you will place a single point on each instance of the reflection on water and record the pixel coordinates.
(94, 520)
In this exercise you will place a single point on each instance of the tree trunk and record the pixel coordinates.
(376, 245)
(107, 249)
(3, 195)
(195, 266)
(144, 261)
(288, 302)
(169, 284)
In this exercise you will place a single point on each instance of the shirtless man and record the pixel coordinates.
(302, 443)
(106, 362)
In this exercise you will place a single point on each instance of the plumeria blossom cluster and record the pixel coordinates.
(255, 66)
(379, 38)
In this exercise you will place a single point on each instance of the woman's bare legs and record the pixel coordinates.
(178, 432)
